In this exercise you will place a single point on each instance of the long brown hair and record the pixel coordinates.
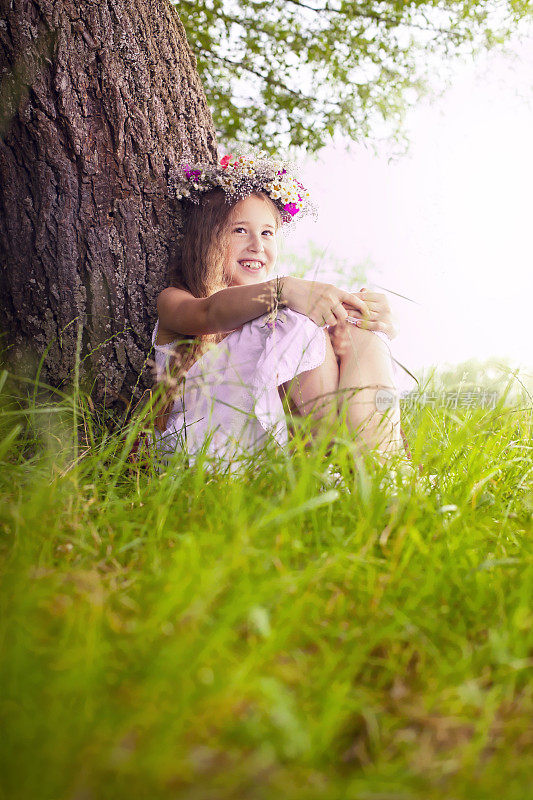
(198, 267)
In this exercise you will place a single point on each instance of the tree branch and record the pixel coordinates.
(266, 78)
(396, 21)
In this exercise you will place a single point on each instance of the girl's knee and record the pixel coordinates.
(364, 341)
(369, 357)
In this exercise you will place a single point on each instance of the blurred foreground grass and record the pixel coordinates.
(192, 634)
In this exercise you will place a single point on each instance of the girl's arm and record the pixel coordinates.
(180, 312)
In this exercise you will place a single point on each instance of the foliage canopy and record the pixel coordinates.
(281, 73)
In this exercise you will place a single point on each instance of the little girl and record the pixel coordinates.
(231, 340)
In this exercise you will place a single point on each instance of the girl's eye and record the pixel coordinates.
(238, 230)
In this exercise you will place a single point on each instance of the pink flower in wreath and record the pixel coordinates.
(291, 208)
(224, 162)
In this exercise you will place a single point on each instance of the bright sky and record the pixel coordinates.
(449, 225)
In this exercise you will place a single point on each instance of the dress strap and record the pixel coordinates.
(154, 334)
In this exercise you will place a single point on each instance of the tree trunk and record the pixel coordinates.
(99, 100)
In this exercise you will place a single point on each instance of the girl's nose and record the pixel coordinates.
(256, 242)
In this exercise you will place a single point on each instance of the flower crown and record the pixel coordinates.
(241, 175)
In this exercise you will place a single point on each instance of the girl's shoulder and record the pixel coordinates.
(173, 291)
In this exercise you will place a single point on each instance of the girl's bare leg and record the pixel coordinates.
(352, 384)
(365, 384)
(314, 393)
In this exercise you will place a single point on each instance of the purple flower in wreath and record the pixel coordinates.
(192, 173)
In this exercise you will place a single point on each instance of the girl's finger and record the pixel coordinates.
(328, 320)
(375, 316)
(340, 313)
(352, 301)
(375, 304)
(368, 325)
(375, 297)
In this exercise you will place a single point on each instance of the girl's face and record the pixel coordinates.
(253, 247)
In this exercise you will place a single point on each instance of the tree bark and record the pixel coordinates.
(99, 100)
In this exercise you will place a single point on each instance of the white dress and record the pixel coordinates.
(229, 403)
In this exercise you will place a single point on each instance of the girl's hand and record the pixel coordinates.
(380, 314)
(323, 302)
(380, 320)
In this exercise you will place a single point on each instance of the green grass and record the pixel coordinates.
(193, 634)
